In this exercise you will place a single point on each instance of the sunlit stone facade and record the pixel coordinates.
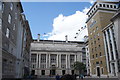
(55, 57)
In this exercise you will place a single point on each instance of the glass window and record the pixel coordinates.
(0, 23)
(103, 5)
(7, 33)
(14, 27)
(111, 6)
(100, 5)
(11, 6)
(15, 15)
(102, 70)
(100, 54)
(2, 7)
(9, 18)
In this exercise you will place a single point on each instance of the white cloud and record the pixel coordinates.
(69, 25)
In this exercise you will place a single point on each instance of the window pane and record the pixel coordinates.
(9, 18)
(7, 33)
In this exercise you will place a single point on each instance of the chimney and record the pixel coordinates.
(66, 39)
(38, 38)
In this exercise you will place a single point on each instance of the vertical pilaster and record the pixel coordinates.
(113, 44)
(39, 60)
(75, 58)
(59, 60)
(46, 60)
(108, 43)
(66, 61)
(49, 60)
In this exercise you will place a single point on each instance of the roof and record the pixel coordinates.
(58, 41)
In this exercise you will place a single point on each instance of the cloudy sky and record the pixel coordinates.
(55, 20)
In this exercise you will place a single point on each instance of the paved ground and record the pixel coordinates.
(79, 79)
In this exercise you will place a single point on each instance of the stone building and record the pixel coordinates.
(15, 31)
(49, 57)
(112, 45)
(99, 17)
(88, 65)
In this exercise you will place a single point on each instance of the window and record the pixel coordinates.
(15, 15)
(101, 62)
(100, 54)
(93, 56)
(2, 7)
(96, 6)
(9, 18)
(96, 28)
(115, 6)
(98, 34)
(95, 49)
(103, 5)
(7, 33)
(111, 6)
(0, 23)
(99, 46)
(96, 55)
(11, 6)
(102, 70)
(100, 5)
(14, 27)
(98, 39)
(107, 6)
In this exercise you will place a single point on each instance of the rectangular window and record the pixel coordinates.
(14, 27)
(7, 33)
(0, 23)
(2, 7)
(101, 70)
(11, 6)
(9, 18)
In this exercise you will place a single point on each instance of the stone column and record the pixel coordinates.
(113, 44)
(108, 43)
(49, 60)
(39, 60)
(66, 61)
(59, 60)
(75, 58)
(46, 60)
(104, 37)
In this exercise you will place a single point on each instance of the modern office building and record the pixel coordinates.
(99, 17)
(49, 57)
(15, 31)
(112, 45)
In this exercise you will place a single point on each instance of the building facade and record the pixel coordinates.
(111, 42)
(98, 18)
(55, 57)
(13, 28)
(88, 65)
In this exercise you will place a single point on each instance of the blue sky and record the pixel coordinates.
(42, 15)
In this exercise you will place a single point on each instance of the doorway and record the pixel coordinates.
(33, 72)
(63, 72)
(52, 72)
(42, 72)
(72, 71)
(98, 71)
